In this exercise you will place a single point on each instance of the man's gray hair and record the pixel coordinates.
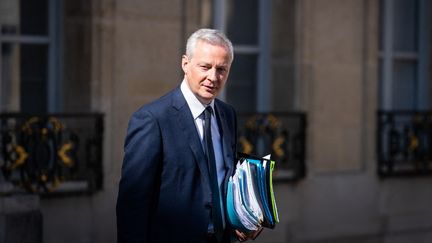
(211, 36)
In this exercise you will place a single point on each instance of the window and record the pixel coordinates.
(404, 124)
(262, 77)
(42, 152)
(245, 22)
(404, 55)
(29, 58)
(262, 81)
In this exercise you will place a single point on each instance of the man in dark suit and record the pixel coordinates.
(179, 152)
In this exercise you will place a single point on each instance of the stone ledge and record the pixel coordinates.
(20, 219)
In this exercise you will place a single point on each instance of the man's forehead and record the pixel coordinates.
(209, 63)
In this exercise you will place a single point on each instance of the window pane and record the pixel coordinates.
(241, 86)
(34, 17)
(23, 83)
(381, 86)
(33, 70)
(9, 82)
(9, 16)
(242, 19)
(404, 85)
(25, 17)
(405, 25)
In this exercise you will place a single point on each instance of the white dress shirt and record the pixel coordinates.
(197, 108)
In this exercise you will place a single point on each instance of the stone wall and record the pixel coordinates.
(121, 55)
(20, 219)
(343, 199)
(331, 63)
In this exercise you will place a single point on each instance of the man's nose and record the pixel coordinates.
(212, 75)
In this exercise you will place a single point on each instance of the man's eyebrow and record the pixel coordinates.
(225, 65)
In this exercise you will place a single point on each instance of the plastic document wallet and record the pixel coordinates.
(251, 203)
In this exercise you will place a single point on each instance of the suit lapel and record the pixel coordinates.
(226, 139)
(183, 117)
(226, 147)
(186, 125)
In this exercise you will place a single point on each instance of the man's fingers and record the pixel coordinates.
(240, 236)
(256, 233)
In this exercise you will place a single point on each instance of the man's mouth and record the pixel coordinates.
(210, 88)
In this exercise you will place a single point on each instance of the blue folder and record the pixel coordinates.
(233, 217)
(264, 192)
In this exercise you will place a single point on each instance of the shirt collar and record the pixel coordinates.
(194, 104)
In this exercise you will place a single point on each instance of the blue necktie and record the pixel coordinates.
(216, 210)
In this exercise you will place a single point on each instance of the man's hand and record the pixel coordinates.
(241, 236)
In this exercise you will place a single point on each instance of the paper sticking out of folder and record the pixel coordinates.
(250, 201)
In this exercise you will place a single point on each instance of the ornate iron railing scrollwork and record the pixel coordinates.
(51, 153)
(404, 143)
(283, 135)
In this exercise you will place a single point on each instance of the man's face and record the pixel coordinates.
(207, 71)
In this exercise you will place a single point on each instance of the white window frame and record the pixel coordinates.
(53, 41)
(262, 49)
(388, 56)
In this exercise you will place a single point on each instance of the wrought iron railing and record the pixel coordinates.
(404, 143)
(51, 153)
(283, 135)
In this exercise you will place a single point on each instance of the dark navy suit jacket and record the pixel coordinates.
(164, 192)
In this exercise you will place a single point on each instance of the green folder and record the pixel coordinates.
(273, 201)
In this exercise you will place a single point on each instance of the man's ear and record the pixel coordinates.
(185, 62)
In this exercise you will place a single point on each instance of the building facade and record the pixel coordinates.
(356, 72)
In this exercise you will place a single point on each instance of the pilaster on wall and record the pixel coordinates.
(136, 58)
(371, 82)
(103, 92)
(103, 46)
(333, 75)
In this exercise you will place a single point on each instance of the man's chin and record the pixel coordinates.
(207, 98)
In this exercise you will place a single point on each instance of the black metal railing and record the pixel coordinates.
(51, 153)
(404, 143)
(283, 135)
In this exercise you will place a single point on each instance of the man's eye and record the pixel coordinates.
(204, 68)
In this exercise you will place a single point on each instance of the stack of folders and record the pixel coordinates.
(250, 199)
